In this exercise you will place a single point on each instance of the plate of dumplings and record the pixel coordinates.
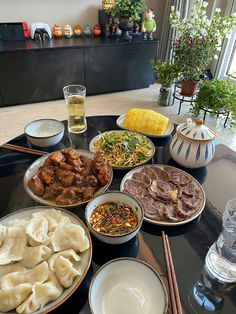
(45, 254)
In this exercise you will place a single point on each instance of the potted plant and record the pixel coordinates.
(217, 96)
(128, 11)
(197, 41)
(166, 73)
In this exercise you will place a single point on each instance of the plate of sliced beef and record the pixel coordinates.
(169, 196)
(67, 178)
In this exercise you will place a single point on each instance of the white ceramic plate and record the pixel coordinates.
(168, 223)
(96, 138)
(168, 131)
(127, 285)
(86, 256)
(33, 168)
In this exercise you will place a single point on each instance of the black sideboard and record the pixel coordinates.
(32, 72)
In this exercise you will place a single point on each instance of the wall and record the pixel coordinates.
(63, 11)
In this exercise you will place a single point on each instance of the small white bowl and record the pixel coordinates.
(44, 132)
(119, 197)
(127, 285)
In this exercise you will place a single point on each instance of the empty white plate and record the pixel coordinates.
(127, 286)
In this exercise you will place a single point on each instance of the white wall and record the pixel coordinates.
(63, 11)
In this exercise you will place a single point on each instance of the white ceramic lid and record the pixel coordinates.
(195, 131)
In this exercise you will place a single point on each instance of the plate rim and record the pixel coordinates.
(133, 260)
(165, 223)
(40, 200)
(146, 134)
(91, 143)
(90, 249)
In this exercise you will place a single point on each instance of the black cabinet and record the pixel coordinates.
(30, 72)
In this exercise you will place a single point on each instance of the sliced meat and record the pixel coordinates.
(170, 213)
(153, 209)
(68, 197)
(150, 172)
(183, 211)
(142, 177)
(189, 189)
(178, 177)
(36, 185)
(189, 201)
(88, 193)
(162, 174)
(65, 177)
(162, 190)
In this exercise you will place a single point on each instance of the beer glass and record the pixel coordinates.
(75, 101)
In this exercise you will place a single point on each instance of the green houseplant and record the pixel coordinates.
(216, 96)
(166, 73)
(128, 12)
(197, 41)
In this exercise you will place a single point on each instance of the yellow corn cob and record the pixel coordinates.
(146, 121)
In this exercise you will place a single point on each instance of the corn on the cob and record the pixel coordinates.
(146, 121)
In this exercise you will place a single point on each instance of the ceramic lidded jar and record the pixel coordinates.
(193, 144)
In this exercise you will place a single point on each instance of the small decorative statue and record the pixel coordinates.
(136, 28)
(97, 30)
(57, 31)
(68, 32)
(148, 25)
(87, 30)
(77, 30)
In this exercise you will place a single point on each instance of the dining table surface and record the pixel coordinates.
(189, 242)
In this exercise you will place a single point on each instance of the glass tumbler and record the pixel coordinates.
(75, 102)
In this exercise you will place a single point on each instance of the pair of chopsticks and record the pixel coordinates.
(25, 150)
(173, 286)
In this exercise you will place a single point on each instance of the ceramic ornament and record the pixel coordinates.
(97, 30)
(77, 30)
(57, 31)
(68, 31)
(87, 30)
(148, 25)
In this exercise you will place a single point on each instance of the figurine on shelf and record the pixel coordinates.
(68, 32)
(148, 25)
(136, 28)
(57, 31)
(107, 30)
(77, 30)
(97, 30)
(87, 30)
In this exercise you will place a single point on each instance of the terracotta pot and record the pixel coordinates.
(189, 88)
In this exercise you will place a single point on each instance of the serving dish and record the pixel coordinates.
(33, 169)
(127, 285)
(86, 256)
(149, 143)
(117, 197)
(168, 131)
(44, 132)
(195, 184)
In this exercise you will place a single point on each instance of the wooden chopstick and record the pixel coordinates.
(21, 149)
(173, 286)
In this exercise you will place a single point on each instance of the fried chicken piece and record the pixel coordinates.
(36, 185)
(70, 153)
(87, 164)
(101, 168)
(55, 158)
(88, 193)
(91, 180)
(77, 189)
(68, 197)
(78, 179)
(66, 177)
(46, 174)
(53, 190)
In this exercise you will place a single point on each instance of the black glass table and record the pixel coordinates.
(189, 243)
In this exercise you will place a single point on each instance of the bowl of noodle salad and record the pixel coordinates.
(123, 149)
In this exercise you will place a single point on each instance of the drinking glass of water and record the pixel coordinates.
(75, 101)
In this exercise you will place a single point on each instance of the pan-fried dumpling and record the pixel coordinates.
(13, 246)
(3, 232)
(69, 254)
(37, 274)
(70, 236)
(43, 293)
(53, 216)
(10, 268)
(37, 229)
(11, 298)
(21, 223)
(65, 271)
(35, 255)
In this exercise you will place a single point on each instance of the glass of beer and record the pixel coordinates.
(75, 102)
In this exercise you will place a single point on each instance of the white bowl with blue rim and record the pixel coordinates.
(193, 144)
(44, 132)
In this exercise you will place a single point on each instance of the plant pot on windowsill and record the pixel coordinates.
(189, 88)
(126, 25)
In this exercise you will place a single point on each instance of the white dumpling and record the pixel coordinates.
(69, 254)
(37, 230)
(13, 246)
(21, 223)
(11, 298)
(37, 274)
(65, 271)
(35, 255)
(70, 236)
(3, 232)
(10, 268)
(53, 216)
(43, 293)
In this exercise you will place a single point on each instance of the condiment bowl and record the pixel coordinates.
(44, 132)
(117, 197)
